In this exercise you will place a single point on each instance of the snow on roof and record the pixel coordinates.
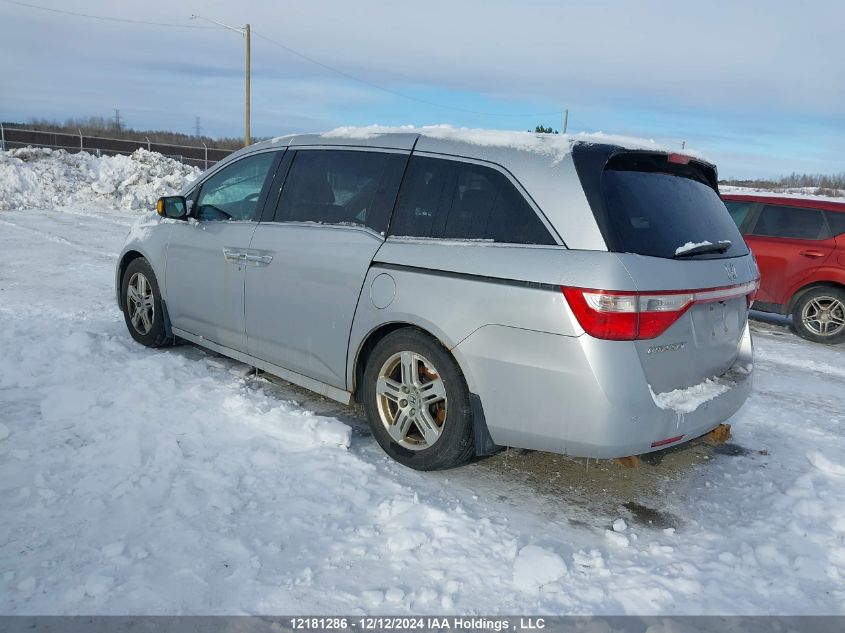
(556, 145)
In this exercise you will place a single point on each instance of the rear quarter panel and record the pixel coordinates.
(452, 289)
(832, 272)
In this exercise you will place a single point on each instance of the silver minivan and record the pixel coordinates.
(473, 290)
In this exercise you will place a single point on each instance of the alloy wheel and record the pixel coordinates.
(140, 303)
(411, 400)
(824, 316)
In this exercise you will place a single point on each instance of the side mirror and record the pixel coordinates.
(172, 207)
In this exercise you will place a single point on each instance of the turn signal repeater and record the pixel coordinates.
(630, 316)
(160, 207)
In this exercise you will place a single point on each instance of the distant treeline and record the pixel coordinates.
(100, 126)
(823, 184)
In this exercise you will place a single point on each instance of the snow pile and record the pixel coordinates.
(536, 566)
(804, 193)
(39, 177)
(691, 246)
(689, 399)
(825, 465)
(554, 145)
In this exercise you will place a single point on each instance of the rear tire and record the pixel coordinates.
(819, 315)
(142, 308)
(417, 402)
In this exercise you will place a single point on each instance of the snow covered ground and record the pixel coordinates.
(177, 482)
(139, 481)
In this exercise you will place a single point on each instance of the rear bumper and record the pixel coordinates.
(587, 397)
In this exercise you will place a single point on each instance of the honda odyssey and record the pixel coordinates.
(472, 289)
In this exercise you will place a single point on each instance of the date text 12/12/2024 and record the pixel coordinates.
(400, 623)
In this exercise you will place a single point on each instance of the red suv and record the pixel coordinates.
(800, 249)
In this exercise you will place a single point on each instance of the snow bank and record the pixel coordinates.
(804, 193)
(38, 177)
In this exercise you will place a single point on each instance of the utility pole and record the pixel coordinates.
(565, 120)
(117, 120)
(246, 33)
(247, 137)
(197, 128)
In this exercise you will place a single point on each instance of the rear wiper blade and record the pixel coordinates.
(706, 248)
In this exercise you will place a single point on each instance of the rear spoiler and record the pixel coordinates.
(591, 159)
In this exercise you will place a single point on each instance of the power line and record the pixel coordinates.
(390, 90)
(299, 54)
(105, 18)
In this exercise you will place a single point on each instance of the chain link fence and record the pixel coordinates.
(198, 155)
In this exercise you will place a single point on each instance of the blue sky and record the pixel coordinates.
(757, 86)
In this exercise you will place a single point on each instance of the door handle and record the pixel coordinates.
(258, 260)
(253, 258)
(234, 256)
(812, 254)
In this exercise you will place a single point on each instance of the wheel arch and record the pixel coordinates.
(368, 344)
(127, 258)
(483, 442)
(803, 290)
(378, 332)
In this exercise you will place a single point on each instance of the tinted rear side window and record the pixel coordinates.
(341, 187)
(836, 221)
(738, 210)
(646, 205)
(791, 222)
(456, 200)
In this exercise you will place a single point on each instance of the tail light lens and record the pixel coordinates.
(630, 316)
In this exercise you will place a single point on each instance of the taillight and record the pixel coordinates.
(749, 298)
(629, 316)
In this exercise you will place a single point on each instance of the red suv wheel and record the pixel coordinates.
(819, 315)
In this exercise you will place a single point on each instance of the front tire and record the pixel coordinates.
(819, 315)
(417, 402)
(142, 308)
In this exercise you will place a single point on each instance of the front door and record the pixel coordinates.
(328, 224)
(206, 255)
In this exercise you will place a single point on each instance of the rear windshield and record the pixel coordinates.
(649, 206)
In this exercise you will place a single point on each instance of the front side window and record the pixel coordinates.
(344, 187)
(233, 192)
(790, 222)
(456, 200)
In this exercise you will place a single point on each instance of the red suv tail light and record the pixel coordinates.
(629, 316)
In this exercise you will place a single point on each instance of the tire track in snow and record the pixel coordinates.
(50, 237)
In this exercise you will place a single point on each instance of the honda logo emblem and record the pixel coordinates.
(731, 270)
